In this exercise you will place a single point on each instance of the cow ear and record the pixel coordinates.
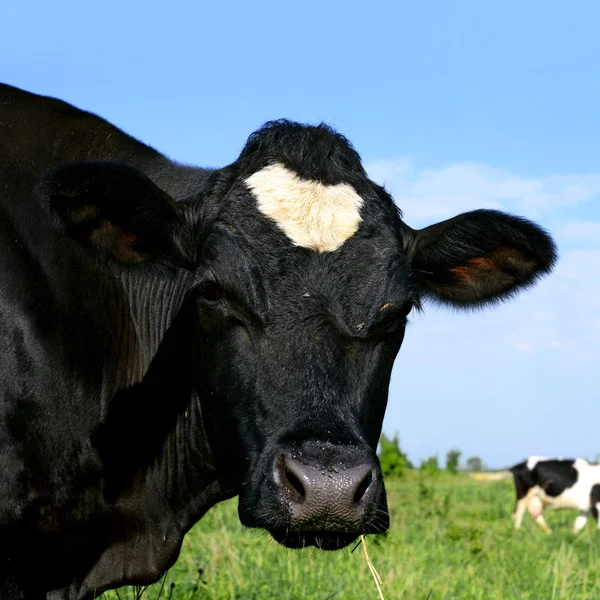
(117, 213)
(480, 257)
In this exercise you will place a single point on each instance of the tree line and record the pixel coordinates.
(395, 462)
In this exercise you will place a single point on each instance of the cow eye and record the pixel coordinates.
(210, 291)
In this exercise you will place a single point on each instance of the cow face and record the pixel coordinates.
(296, 350)
(307, 275)
(303, 277)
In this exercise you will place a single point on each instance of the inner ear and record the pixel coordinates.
(482, 277)
(118, 213)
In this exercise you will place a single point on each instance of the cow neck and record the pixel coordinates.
(178, 180)
(149, 306)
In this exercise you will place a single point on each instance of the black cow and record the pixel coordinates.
(556, 483)
(174, 336)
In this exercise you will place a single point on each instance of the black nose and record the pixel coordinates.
(326, 497)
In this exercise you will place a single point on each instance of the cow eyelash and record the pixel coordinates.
(392, 320)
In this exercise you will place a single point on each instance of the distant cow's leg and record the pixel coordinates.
(520, 509)
(580, 521)
(595, 503)
(542, 523)
(596, 513)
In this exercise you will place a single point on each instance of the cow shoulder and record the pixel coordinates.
(523, 479)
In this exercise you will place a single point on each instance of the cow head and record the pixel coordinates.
(304, 275)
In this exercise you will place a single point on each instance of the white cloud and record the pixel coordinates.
(434, 194)
(580, 231)
(523, 346)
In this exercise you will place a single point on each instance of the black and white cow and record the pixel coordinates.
(174, 336)
(556, 483)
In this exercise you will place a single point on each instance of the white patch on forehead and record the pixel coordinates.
(313, 215)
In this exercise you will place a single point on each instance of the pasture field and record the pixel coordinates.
(451, 538)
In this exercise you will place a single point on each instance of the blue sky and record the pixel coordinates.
(453, 105)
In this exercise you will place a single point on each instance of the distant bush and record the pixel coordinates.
(394, 462)
(474, 464)
(453, 460)
(431, 465)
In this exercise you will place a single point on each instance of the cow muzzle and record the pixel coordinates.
(320, 494)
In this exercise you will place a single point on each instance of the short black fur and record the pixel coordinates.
(314, 152)
(161, 356)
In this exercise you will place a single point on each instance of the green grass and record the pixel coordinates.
(451, 538)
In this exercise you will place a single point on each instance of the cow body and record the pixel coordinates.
(93, 387)
(175, 336)
(542, 482)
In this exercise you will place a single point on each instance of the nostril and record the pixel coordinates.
(363, 486)
(293, 483)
